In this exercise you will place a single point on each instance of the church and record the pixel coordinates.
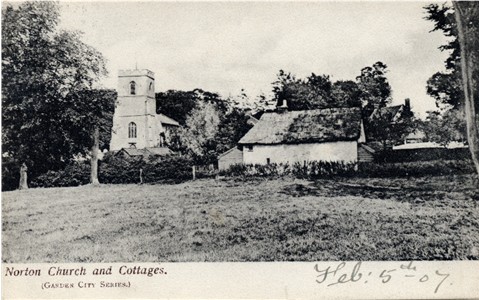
(136, 123)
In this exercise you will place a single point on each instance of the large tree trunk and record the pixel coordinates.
(462, 14)
(23, 185)
(94, 157)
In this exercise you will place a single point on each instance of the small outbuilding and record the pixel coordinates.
(229, 158)
(145, 152)
(330, 134)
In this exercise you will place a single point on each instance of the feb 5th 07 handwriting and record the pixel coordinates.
(341, 274)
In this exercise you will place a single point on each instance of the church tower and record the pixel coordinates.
(134, 121)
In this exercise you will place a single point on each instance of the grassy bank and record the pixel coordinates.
(425, 218)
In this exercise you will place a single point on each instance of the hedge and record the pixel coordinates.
(417, 169)
(320, 169)
(115, 170)
(176, 169)
(425, 154)
(310, 169)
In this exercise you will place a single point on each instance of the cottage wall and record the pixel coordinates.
(346, 151)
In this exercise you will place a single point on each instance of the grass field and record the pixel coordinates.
(429, 218)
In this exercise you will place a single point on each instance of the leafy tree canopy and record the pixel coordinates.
(374, 86)
(44, 72)
(445, 86)
(201, 127)
(444, 128)
(316, 91)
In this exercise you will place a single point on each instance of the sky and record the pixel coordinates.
(224, 47)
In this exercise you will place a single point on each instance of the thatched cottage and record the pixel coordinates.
(331, 134)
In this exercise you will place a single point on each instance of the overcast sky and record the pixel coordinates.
(224, 47)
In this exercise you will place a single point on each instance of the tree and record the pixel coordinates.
(346, 94)
(42, 69)
(232, 128)
(388, 128)
(198, 134)
(445, 87)
(314, 92)
(375, 96)
(176, 104)
(467, 19)
(92, 120)
(456, 88)
(374, 87)
(443, 128)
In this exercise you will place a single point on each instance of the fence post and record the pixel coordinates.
(194, 172)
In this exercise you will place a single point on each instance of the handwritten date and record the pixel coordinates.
(342, 273)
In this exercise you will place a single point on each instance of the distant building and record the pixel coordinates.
(418, 136)
(331, 134)
(136, 123)
(393, 113)
(231, 157)
(145, 152)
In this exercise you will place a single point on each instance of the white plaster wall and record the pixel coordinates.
(336, 151)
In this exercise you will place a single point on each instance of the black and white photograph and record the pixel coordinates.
(145, 132)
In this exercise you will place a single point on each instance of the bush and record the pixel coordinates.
(308, 170)
(117, 170)
(425, 154)
(322, 169)
(75, 174)
(10, 174)
(172, 169)
(420, 168)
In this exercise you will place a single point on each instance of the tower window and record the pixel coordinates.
(132, 130)
(151, 86)
(132, 88)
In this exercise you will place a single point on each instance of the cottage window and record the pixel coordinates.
(132, 130)
(249, 148)
(268, 161)
(132, 88)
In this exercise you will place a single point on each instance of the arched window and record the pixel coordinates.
(132, 130)
(132, 88)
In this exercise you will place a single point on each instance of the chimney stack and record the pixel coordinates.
(407, 104)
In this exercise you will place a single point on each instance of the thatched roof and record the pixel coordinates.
(307, 126)
(145, 152)
(234, 149)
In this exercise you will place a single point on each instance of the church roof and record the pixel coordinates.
(306, 126)
(133, 151)
(164, 119)
(159, 151)
(145, 152)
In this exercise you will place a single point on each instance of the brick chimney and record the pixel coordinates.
(407, 104)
